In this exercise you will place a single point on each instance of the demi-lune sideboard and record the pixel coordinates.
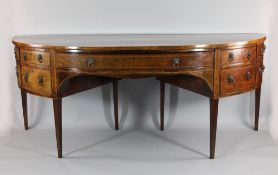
(213, 65)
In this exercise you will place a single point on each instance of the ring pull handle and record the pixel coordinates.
(176, 62)
(39, 58)
(263, 50)
(231, 57)
(248, 75)
(41, 81)
(91, 62)
(15, 50)
(25, 56)
(25, 77)
(261, 70)
(231, 79)
(249, 54)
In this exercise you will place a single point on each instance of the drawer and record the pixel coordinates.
(243, 55)
(237, 78)
(36, 80)
(135, 61)
(35, 57)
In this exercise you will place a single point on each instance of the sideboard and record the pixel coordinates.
(213, 65)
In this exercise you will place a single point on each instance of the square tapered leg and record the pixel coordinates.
(162, 103)
(24, 108)
(57, 105)
(115, 99)
(213, 125)
(257, 107)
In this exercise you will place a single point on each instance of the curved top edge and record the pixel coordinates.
(138, 42)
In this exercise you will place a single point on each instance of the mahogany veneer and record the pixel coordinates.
(213, 65)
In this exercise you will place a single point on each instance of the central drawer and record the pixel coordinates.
(135, 61)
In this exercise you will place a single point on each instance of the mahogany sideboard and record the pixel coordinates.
(213, 65)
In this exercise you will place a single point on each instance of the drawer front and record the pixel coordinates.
(243, 55)
(36, 80)
(135, 61)
(237, 78)
(35, 57)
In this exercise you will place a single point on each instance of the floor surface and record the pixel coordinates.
(137, 152)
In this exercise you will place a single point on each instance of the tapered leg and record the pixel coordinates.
(257, 108)
(115, 98)
(162, 103)
(213, 125)
(24, 107)
(57, 105)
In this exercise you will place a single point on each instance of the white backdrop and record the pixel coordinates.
(139, 99)
(90, 145)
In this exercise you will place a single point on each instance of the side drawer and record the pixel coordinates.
(135, 61)
(237, 78)
(36, 80)
(35, 57)
(242, 55)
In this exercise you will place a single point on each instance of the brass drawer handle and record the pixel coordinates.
(263, 50)
(176, 62)
(248, 75)
(15, 50)
(231, 57)
(91, 62)
(25, 56)
(41, 81)
(231, 79)
(249, 54)
(40, 58)
(261, 70)
(25, 77)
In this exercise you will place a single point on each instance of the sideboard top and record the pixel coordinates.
(117, 42)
